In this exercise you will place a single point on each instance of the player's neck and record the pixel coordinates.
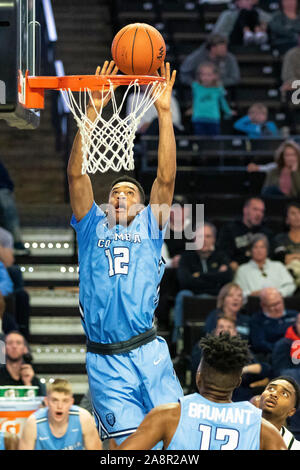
(276, 421)
(216, 396)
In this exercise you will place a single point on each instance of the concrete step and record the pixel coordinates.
(57, 297)
(58, 353)
(55, 326)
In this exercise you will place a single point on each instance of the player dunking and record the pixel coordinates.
(120, 268)
(209, 420)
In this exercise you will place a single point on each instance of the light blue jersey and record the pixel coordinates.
(2, 441)
(71, 440)
(120, 270)
(206, 425)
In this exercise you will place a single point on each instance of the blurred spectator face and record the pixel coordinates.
(289, 4)
(293, 217)
(254, 212)
(219, 50)
(244, 4)
(290, 158)
(297, 324)
(233, 300)
(7, 256)
(259, 251)
(207, 76)
(225, 325)
(278, 399)
(258, 116)
(272, 303)
(205, 239)
(59, 404)
(15, 347)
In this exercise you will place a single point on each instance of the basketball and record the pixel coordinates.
(138, 49)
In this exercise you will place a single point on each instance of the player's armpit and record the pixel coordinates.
(270, 438)
(159, 425)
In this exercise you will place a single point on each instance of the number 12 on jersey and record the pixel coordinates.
(229, 437)
(118, 260)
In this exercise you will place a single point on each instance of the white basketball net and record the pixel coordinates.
(108, 144)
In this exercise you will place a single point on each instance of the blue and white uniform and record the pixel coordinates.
(71, 440)
(120, 270)
(2, 442)
(206, 425)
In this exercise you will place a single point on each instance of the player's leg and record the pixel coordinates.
(114, 387)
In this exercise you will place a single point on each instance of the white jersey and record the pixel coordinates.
(289, 439)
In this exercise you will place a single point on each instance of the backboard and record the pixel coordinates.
(19, 51)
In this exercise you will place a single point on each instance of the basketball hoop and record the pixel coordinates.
(106, 144)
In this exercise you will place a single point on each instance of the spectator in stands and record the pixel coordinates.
(279, 403)
(201, 271)
(245, 24)
(286, 245)
(9, 218)
(7, 321)
(284, 26)
(261, 272)
(284, 179)
(178, 234)
(16, 371)
(286, 352)
(22, 306)
(149, 122)
(269, 324)
(208, 101)
(235, 237)
(230, 305)
(290, 70)
(213, 50)
(255, 123)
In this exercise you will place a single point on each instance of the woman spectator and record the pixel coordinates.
(262, 272)
(284, 179)
(286, 245)
(229, 305)
(284, 26)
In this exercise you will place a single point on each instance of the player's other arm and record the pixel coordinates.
(90, 434)
(28, 436)
(80, 186)
(163, 187)
(160, 424)
(270, 438)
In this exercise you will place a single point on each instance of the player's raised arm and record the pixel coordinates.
(163, 186)
(80, 186)
(270, 438)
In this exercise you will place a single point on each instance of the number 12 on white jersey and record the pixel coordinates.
(118, 260)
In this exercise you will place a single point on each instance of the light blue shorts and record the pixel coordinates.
(125, 387)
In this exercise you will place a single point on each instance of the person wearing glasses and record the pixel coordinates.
(261, 271)
(271, 323)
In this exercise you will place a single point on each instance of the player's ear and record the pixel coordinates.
(291, 412)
